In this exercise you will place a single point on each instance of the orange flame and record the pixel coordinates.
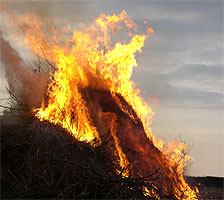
(150, 30)
(90, 59)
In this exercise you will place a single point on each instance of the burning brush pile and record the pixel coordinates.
(89, 135)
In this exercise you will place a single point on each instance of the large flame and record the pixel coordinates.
(90, 60)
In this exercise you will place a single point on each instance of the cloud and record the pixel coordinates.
(199, 71)
(192, 86)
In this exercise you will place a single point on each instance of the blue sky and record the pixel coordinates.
(179, 73)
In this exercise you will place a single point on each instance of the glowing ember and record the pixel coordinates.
(91, 94)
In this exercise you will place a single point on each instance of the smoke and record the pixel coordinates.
(27, 84)
(24, 81)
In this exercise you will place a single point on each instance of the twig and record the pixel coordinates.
(14, 178)
(45, 57)
(11, 108)
(145, 177)
(14, 97)
(65, 191)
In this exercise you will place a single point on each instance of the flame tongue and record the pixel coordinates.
(131, 142)
(91, 61)
(91, 94)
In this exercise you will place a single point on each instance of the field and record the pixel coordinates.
(209, 187)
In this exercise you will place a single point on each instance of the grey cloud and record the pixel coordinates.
(173, 95)
(192, 98)
(198, 71)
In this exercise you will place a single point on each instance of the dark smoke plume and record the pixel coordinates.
(27, 84)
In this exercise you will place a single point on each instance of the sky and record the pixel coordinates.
(180, 70)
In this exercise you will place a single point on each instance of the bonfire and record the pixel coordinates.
(92, 104)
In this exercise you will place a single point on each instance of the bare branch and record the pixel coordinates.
(14, 97)
(45, 57)
(11, 108)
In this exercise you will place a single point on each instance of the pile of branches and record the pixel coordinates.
(43, 161)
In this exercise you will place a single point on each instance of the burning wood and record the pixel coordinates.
(131, 142)
(91, 95)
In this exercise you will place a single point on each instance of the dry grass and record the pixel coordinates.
(43, 161)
